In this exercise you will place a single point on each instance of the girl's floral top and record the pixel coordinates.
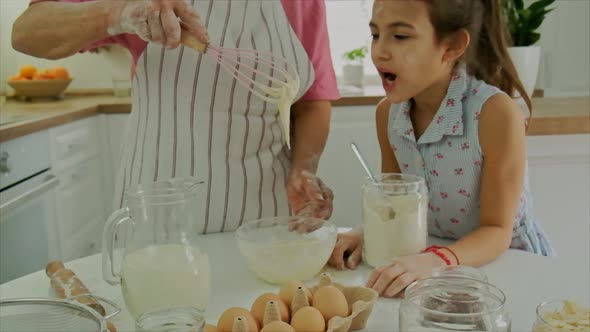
(449, 157)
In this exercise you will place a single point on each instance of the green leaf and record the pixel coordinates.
(536, 21)
(540, 5)
(533, 38)
(518, 4)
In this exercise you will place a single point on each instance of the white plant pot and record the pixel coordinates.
(353, 74)
(526, 60)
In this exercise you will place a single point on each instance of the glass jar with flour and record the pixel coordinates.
(394, 217)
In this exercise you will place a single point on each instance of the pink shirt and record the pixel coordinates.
(313, 34)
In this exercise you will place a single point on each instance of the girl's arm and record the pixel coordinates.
(388, 161)
(502, 139)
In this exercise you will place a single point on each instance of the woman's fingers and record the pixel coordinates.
(170, 25)
(191, 19)
(156, 32)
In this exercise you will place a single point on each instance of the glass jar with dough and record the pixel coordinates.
(394, 217)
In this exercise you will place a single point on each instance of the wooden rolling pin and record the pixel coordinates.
(66, 284)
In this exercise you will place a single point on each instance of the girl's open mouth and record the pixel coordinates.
(389, 80)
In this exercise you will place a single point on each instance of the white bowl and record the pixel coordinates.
(40, 88)
(277, 255)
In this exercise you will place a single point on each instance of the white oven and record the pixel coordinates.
(28, 227)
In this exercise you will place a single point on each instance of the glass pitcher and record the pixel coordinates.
(163, 273)
(394, 217)
(448, 303)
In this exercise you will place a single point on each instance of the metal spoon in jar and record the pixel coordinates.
(365, 166)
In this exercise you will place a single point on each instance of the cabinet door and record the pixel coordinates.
(113, 128)
(79, 197)
(559, 168)
(83, 242)
(116, 127)
(73, 143)
(339, 168)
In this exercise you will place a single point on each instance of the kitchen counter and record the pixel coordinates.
(552, 115)
(234, 285)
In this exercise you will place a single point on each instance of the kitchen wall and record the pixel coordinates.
(565, 41)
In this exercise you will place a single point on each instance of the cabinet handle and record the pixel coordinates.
(4, 168)
(50, 182)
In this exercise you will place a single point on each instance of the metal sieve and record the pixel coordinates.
(45, 315)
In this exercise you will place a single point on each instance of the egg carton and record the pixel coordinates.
(360, 300)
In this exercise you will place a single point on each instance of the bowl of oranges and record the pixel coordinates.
(32, 82)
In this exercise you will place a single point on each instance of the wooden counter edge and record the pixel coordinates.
(33, 126)
(549, 125)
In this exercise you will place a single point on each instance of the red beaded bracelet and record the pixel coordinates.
(434, 249)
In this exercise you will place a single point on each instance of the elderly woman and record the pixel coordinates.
(189, 118)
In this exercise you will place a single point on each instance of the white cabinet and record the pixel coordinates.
(559, 168)
(75, 151)
(113, 127)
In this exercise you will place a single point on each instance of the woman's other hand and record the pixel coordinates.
(390, 280)
(308, 196)
(156, 20)
(347, 252)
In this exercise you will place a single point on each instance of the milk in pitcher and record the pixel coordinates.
(158, 276)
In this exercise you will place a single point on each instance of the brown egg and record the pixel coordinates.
(277, 326)
(209, 328)
(308, 319)
(260, 304)
(330, 301)
(288, 290)
(226, 320)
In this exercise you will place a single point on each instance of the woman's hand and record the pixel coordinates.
(156, 20)
(347, 252)
(309, 197)
(391, 279)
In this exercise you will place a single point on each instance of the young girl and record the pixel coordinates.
(448, 117)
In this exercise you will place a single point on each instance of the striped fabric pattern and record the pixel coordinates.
(190, 118)
(449, 157)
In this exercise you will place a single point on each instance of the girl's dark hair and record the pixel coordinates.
(487, 56)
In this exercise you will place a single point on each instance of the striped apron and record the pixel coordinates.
(191, 118)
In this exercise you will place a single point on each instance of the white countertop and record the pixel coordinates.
(526, 279)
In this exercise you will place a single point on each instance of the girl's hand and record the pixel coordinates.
(347, 252)
(391, 279)
(156, 20)
(308, 197)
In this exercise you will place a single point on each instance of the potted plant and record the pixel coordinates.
(522, 26)
(353, 71)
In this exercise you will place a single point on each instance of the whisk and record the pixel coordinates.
(249, 67)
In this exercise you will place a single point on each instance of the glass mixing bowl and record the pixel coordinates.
(277, 255)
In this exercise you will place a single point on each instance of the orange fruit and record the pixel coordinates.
(60, 73)
(44, 75)
(18, 77)
(28, 71)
